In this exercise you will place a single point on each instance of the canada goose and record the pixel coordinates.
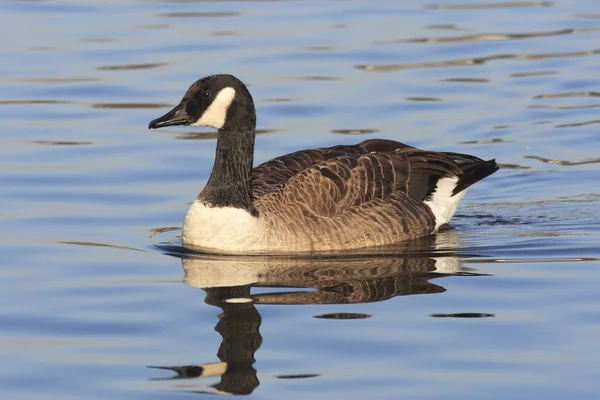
(374, 193)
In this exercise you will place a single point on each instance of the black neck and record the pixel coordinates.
(229, 184)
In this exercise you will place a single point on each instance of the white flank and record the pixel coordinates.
(219, 229)
(443, 204)
(216, 113)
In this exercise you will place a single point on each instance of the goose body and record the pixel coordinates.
(375, 193)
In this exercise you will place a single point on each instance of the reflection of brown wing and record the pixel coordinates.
(362, 281)
(337, 280)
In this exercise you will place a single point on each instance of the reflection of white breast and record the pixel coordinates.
(222, 229)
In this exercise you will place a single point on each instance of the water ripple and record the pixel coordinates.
(499, 36)
(129, 105)
(577, 124)
(567, 94)
(563, 162)
(125, 67)
(474, 60)
(201, 14)
(354, 131)
(486, 6)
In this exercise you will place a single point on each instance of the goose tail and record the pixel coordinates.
(473, 174)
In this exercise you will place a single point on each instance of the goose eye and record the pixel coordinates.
(206, 94)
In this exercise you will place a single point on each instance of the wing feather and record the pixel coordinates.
(327, 182)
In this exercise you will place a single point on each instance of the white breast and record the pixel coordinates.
(221, 229)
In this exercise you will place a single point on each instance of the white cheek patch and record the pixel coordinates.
(216, 113)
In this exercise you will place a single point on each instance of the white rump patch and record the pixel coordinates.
(216, 113)
(443, 204)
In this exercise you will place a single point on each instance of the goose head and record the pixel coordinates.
(219, 101)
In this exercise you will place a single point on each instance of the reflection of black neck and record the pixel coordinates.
(239, 326)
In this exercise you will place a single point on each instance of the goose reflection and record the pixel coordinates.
(230, 284)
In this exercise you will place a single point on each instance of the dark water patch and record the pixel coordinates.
(354, 131)
(423, 99)
(209, 135)
(567, 108)
(513, 166)
(319, 48)
(504, 221)
(532, 73)
(277, 100)
(94, 244)
(33, 101)
(567, 94)
(481, 37)
(487, 6)
(61, 142)
(316, 78)
(200, 14)
(343, 316)
(490, 140)
(463, 315)
(159, 231)
(577, 124)
(474, 61)
(153, 26)
(297, 376)
(223, 33)
(127, 67)
(443, 26)
(564, 162)
(495, 220)
(124, 106)
(59, 80)
(466, 80)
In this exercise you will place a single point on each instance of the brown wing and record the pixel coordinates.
(331, 181)
(274, 174)
(335, 186)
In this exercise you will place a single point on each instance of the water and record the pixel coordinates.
(503, 305)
